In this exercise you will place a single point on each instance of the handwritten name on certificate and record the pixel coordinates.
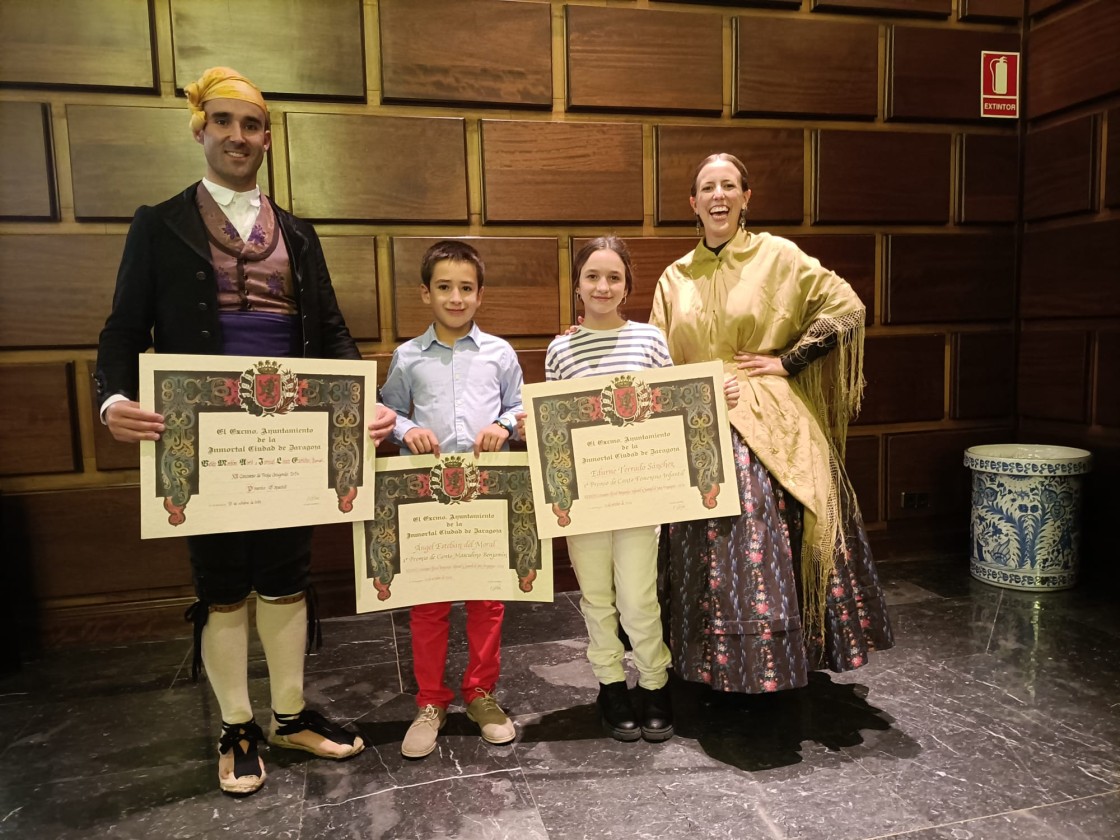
(641, 448)
(254, 443)
(451, 529)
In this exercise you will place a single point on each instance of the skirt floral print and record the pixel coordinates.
(732, 591)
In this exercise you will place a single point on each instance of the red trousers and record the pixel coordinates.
(430, 628)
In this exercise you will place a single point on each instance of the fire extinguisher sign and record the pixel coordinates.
(999, 84)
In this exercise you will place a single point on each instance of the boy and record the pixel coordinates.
(464, 390)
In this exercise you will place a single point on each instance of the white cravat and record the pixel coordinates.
(241, 208)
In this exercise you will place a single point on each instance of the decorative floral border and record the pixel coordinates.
(181, 396)
(691, 399)
(1000, 577)
(396, 487)
(1041, 467)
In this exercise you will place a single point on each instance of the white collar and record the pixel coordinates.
(225, 196)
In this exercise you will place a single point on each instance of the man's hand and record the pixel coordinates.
(490, 439)
(521, 424)
(756, 364)
(382, 424)
(129, 423)
(422, 442)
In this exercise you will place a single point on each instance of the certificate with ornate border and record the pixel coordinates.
(255, 443)
(451, 529)
(640, 448)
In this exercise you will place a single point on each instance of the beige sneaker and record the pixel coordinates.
(421, 736)
(496, 726)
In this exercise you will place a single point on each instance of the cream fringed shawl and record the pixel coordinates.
(762, 294)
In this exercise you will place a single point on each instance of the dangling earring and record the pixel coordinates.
(743, 219)
(699, 227)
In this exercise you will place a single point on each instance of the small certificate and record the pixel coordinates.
(451, 529)
(634, 449)
(253, 443)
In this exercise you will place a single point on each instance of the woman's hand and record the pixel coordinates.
(731, 390)
(757, 364)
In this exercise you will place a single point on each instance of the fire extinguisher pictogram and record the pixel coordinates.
(998, 67)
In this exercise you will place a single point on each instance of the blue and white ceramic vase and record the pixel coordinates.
(1026, 506)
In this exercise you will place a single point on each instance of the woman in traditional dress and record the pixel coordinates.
(758, 600)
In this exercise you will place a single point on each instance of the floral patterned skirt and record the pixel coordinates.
(731, 589)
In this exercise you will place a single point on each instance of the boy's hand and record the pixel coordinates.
(129, 423)
(382, 424)
(521, 425)
(731, 390)
(422, 442)
(490, 439)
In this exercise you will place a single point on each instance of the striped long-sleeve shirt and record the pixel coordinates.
(633, 346)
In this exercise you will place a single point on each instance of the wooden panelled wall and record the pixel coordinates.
(532, 125)
(1069, 295)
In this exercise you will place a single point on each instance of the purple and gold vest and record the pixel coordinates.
(256, 296)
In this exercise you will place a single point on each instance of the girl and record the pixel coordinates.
(617, 570)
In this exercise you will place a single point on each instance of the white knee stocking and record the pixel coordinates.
(225, 652)
(282, 626)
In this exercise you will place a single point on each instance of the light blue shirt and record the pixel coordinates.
(454, 391)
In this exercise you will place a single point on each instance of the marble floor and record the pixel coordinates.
(997, 715)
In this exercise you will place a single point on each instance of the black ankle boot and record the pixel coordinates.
(617, 713)
(657, 713)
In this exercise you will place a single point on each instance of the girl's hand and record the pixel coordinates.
(731, 390)
(757, 364)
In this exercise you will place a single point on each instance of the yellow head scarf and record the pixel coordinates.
(220, 83)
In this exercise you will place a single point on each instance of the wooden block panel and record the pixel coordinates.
(91, 44)
(285, 48)
(352, 262)
(1071, 271)
(632, 59)
(1073, 58)
(881, 176)
(520, 295)
(1108, 379)
(776, 182)
(1112, 160)
(378, 168)
(995, 10)
(1040, 7)
(532, 365)
(905, 379)
(1054, 375)
(983, 383)
(933, 74)
(989, 187)
(852, 257)
(123, 157)
(109, 453)
(507, 60)
(80, 270)
(561, 172)
(38, 419)
(649, 257)
(69, 534)
(766, 4)
(837, 66)
(861, 461)
(932, 463)
(27, 187)
(914, 8)
(948, 277)
(1060, 169)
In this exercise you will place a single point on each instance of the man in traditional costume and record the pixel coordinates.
(221, 269)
